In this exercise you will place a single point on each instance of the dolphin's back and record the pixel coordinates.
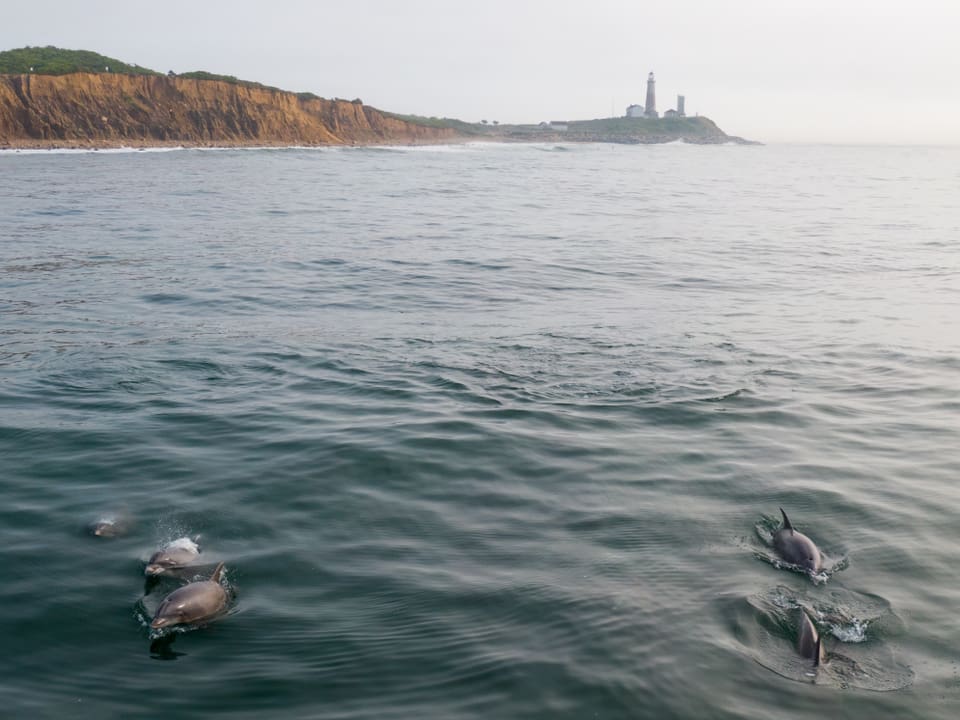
(795, 547)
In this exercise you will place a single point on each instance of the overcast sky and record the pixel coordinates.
(773, 70)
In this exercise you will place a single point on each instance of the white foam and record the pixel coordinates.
(184, 543)
(855, 632)
(86, 151)
(818, 578)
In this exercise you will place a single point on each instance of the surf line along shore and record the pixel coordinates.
(93, 146)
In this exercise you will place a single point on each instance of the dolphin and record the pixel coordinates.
(174, 556)
(797, 548)
(110, 526)
(193, 603)
(808, 643)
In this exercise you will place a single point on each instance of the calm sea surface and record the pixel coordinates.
(482, 431)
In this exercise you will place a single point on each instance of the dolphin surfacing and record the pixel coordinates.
(196, 602)
(795, 547)
(808, 642)
(110, 525)
(179, 553)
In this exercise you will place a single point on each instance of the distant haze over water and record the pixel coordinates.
(877, 71)
(482, 431)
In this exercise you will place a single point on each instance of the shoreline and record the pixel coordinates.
(8, 145)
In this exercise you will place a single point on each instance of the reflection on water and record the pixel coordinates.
(161, 648)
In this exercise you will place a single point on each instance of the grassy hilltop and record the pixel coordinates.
(51, 60)
(699, 130)
(640, 127)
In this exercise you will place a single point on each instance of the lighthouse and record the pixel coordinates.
(650, 109)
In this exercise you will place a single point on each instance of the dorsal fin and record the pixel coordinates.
(817, 653)
(786, 520)
(217, 573)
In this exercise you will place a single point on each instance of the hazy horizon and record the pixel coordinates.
(812, 72)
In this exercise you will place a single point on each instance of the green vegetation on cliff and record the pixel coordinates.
(615, 130)
(51, 60)
(641, 127)
(624, 129)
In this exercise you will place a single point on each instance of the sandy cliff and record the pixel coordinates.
(84, 109)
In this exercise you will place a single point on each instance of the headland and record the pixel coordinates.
(53, 98)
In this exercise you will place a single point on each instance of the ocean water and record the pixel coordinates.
(482, 431)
